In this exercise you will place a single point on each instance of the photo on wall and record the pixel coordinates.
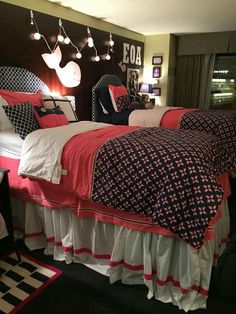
(133, 80)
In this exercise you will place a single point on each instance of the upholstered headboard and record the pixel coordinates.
(21, 80)
(105, 80)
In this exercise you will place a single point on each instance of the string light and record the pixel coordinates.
(63, 37)
(109, 47)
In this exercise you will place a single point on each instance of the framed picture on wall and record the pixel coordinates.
(133, 80)
(157, 60)
(156, 91)
(156, 72)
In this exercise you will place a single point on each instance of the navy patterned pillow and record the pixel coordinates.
(104, 98)
(22, 117)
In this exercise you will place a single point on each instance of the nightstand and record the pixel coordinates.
(5, 209)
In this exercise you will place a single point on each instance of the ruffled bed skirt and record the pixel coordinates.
(172, 270)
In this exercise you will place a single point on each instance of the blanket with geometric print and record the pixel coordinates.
(220, 124)
(168, 175)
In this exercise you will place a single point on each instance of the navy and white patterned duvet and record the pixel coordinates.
(168, 175)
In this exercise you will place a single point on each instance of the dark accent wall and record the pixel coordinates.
(18, 49)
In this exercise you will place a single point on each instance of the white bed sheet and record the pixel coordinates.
(10, 144)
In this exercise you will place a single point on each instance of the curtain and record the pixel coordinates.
(193, 81)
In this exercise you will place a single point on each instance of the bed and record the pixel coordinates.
(217, 123)
(143, 213)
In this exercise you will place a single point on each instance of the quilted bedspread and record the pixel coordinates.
(166, 174)
(220, 124)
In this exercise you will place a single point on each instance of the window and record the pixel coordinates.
(223, 87)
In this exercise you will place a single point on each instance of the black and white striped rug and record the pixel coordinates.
(21, 281)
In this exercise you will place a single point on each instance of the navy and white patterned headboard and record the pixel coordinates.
(21, 80)
(105, 80)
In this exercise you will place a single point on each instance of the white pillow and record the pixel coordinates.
(5, 123)
(64, 103)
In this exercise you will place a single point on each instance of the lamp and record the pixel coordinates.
(146, 88)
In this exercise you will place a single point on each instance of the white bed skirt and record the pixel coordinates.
(172, 270)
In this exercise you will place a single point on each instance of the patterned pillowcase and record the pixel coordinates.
(50, 118)
(14, 98)
(64, 103)
(22, 117)
(119, 97)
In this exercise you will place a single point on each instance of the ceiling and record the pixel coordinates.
(150, 17)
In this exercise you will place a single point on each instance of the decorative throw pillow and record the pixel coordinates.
(5, 123)
(50, 118)
(64, 103)
(119, 97)
(14, 98)
(104, 98)
(22, 117)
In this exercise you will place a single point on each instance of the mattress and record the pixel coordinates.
(10, 144)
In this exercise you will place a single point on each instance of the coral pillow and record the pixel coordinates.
(14, 98)
(50, 118)
(119, 97)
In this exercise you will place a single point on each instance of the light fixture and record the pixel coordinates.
(109, 48)
(63, 37)
(111, 41)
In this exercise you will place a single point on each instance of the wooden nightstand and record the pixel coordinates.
(5, 209)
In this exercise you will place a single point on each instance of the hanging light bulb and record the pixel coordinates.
(60, 38)
(67, 40)
(111, 41)
(97, 58)
(78, 55)
(90, 42)
(37, 36)
(107, 57)
(90, 39)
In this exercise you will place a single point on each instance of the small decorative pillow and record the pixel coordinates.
(104, 98)
(5, 123)
(64, 103)
(50, 118)
(119, 97)
(14, 98)
(22, 117)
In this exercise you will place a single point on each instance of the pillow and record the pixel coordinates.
(104, 98)
(64, 103)
(22, 117)
(50, 118)
(14, 98)
(119, 97)
(5, 123)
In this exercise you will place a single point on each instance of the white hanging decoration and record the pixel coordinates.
(63, 37)
(69, 75)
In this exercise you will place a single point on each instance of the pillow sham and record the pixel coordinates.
(50, 118)
(119, 97)
(22, 117)
(14, 98)
(104, 98)
(5, 123)
(64, 103)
